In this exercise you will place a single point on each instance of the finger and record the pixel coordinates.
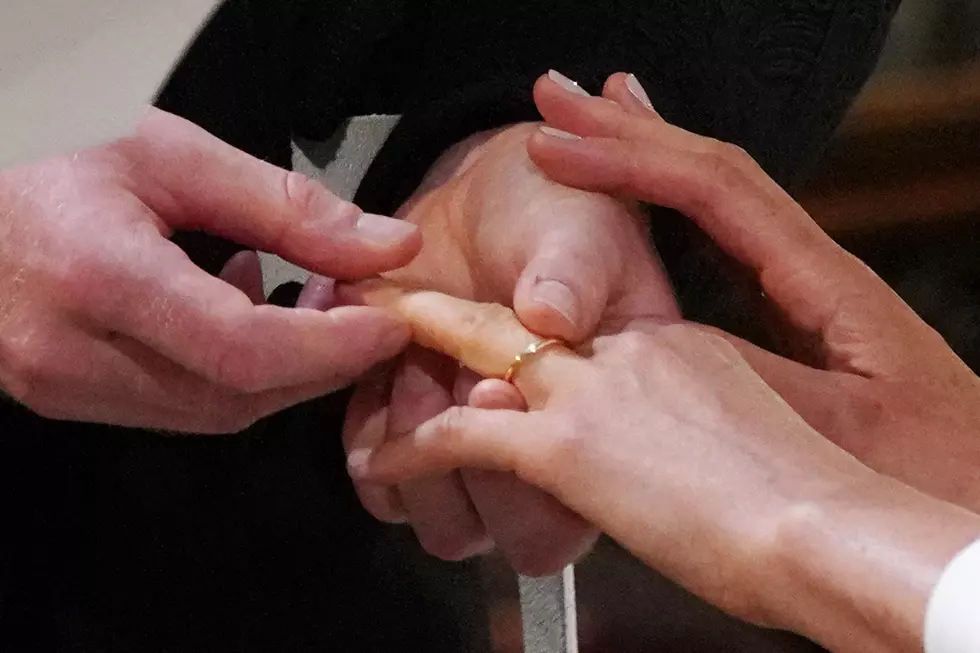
(585, 116)
(536, 533)
(438, 507)
(195, 181)
(366, 427)
(628, 92)
(160, 298)
(116, 380)
(496, 394)
(244, 272)
(317, 294)
(483, 337)
(749, 216)
(565, 286)
(460, 437)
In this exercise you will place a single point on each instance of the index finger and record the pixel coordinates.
(155, 294)
(486, 338)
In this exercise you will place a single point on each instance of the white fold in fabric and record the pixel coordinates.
(75, 73)
(953, 614)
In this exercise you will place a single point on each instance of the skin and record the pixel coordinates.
(571, 263)
(703, 470)
(869, 374)
(103, 319)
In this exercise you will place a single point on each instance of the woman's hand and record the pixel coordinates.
(664, 437)
(871, 375)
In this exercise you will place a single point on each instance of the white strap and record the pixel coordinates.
(953, 613)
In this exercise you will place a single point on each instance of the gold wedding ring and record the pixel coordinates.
(533, 350)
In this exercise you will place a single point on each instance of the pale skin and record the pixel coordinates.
(702, 469)
(103, 319)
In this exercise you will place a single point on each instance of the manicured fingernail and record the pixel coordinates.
(557, 133)
(558, 297)
(357, 463)
(383, 231)
(569, 85)
(636, 88)
(484, 547)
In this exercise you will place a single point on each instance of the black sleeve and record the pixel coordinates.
(774, 76)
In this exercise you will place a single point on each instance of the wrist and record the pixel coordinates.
(854, 570)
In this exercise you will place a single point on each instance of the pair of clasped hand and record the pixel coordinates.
(706, 456)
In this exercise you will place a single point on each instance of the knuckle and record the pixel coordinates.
(632, 345)
(726, 169)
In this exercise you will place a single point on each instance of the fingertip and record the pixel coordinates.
(358, 464)
(318, 294)
(626, 90)
(496, 394)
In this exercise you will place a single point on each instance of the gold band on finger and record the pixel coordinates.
(533, 350)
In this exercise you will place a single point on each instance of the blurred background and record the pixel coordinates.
(900, 188)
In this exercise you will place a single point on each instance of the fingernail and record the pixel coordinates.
(569, 85)
(636, 88)
(484, 547)
(317, 294)
(558, 297)
(357, 462)
(383, 231)
(557, 133)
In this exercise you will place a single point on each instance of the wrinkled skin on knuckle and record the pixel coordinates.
(727, 170)
(231, 366)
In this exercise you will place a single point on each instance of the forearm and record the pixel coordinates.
(860, 569)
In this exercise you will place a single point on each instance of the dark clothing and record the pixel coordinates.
(118, 540)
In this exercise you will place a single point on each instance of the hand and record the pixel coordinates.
(702, 471)
(873, 377)
(570, 262)
(103, 319)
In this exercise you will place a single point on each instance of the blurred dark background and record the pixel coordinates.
(900, 188)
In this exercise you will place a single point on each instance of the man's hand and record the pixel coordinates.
(571, 263)
(103, 319)
(877, 380)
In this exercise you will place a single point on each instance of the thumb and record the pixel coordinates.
(563, 290)
(193, 181)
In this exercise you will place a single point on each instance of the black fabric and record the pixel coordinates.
(120, 540)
